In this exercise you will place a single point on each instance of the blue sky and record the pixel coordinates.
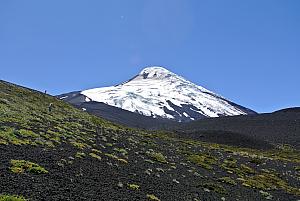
(247, 51)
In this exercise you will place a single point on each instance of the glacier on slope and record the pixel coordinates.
(157, 92)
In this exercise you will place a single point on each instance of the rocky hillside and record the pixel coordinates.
(52, 151)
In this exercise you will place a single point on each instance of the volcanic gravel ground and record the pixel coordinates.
(92, 179)
(281, 127)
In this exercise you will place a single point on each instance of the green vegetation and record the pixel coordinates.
(26, 120)
(133, 186)
(229, 164)
(96, 151)
(246, 169)
(121, 151)
(152, 197)
(116, 158)
(159, 157)
(80, 155)
(227, 180)
(78, 145)
(109, 144)
(11, 198)
(269, 181)
(122, 160)
(203, 160)
(95, 156)
(21, 166)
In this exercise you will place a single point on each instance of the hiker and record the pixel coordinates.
(50, 107)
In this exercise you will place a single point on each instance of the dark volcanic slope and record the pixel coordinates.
(254, 131)
(281, 127)
(66, 154)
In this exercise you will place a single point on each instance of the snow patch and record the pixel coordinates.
(185, 114)
(64, 97)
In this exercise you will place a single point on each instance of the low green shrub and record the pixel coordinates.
(159, 157)
(203, 160)
(95, 156)
(152, 197)
(21, 166)
(227, 180)
(133, 186)
(11, 198)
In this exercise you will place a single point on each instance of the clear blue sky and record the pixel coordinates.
(247, 51)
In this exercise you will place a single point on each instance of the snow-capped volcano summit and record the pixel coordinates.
(157, 92)
(156, 73)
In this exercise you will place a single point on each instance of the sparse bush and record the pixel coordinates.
(269, 181)
(152, 197)
(121, 150)
(80, 155)
(227, 180)
(11, 198)
(96, 151)
(246, 169)
(95, 156)
(158, 157)
(78, 145)
(203, 160)
(133, 186)
(122, 160)
(21, 166)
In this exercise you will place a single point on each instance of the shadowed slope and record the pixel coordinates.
(282, 127)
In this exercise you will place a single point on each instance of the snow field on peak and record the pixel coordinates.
(151, 92)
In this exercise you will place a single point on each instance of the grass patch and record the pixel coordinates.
(230, 165)
(78, 145)
(269, 181)
(227, 180)
(21, 166)
(157, 156)
(80, 155)
(12, 198)
(93, 155)
(152, 197)
(133, 186)
(122, 160)
(121, 151)
(203, 160)
(116, 158)
(96, 151)
(246, 169)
